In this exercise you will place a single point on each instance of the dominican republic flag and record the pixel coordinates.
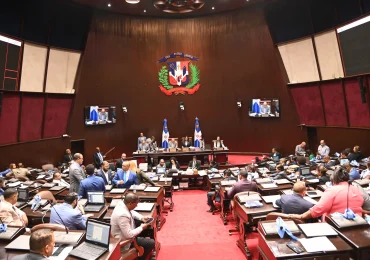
(165, 134)
(256, 106)
(94, 113)
(178, 73)
(197, 133)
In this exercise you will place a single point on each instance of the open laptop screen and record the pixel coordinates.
(305, 171)
(96, 197)
(161, 170)
(97, 233)
(22, 194)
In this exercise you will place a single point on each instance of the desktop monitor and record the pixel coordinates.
(100, 115)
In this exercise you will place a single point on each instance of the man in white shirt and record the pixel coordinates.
(9, 213)
(59, 180)
(300, 149)
(323, 149)
(123, 224)
(105, 173)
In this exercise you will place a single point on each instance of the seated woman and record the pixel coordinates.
(186, 142)
(336, 198)
(323, 176)
(218, 143)
(173, 165)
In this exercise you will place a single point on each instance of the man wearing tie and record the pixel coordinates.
(76, 173)
(98, 158)
(124, 178)
(194, 164)
(103, 115)
(68, 156)
(105, 173)
(140, 140)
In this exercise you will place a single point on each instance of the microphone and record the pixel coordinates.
(52, 206)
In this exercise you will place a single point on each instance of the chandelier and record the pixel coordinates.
(178, 6)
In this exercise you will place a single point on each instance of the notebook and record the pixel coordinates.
(251, 197)
(152, 189)
(341, 222)
(270, 198)
(141, 206)
(282, 181)
(263, 180)
(118, 191)
(165, 179)
(317, 244)
(268, 185)
(317, 229)
(10, 233)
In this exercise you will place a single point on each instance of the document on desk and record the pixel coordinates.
(135, 187)
(313, 180)
(263, 180)
(314, 202)
(41, 176)
(119, 190)
(317, 229)
(227, 183)
(152, 189)
(72, 238)
(14, 184)
(20, 243)
(287, 192)
(270, 198)
(268, 185)
(202, 173)
(282, 181)
(144, 206)
(165, 179)
(317, 244)
(108, 187)
(114, 202)
(251, 197)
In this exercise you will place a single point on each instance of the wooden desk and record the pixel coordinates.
(245, 218)
(221, 156)
(114, 252)
(168, 188)
(273, 191)
(35, 217)
(212, 182)
(225, 203)
(275, 248)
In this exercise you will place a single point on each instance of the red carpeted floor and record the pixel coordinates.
(192, 233)
(238, 159)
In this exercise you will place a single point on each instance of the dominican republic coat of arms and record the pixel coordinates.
(179, 77)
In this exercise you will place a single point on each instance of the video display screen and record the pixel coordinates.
(100, 115)
(265, 107)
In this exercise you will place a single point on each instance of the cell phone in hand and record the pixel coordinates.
(150, 220)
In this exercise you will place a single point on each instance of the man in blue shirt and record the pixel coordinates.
(91, 183)
(69, 216)
(1, 186)
(4, 173)
(353, 172)
(124, 178)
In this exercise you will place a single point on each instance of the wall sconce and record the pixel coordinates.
(182, 106)
(239, 104)
(124, 109)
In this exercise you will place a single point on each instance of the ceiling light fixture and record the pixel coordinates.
(144, 11)
(109, 5)
(132, 1)
(178, 6)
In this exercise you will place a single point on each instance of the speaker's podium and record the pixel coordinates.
(186, 149)
(220, 154)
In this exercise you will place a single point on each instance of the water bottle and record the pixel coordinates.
(134, 188)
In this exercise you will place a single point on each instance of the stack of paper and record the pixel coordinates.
(144, 206)
(271, 198)
(317, 244)
(268, 185)
(317, 229)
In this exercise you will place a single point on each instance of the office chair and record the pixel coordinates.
(233, 208)
(131, 253)
(275, 215)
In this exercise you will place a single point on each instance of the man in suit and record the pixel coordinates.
(103, 115)
(295, 203)
(265, 109)
(42, 244)
(356, 154)
(68, 156)
(124, 178)
(143, 147)
(275, 155)
(186, 142)
(280, 173)
(300, 149)
(327, 162)
(123, 224)
(213, 165)
(243, 185)
(105, 173)
(194, 164)
(76, 172)
(323, 149)
(91, 183)
(140, 140)
(98, 158)
(172, 143)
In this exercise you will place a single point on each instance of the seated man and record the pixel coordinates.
(265, 108)
(172, 143)
(19, 173)
(143, 178)
(69, 216)
(194, 164)
(366, 173)
(327, 162)
(143, 147)
(352, 171)
(295, 203)
(105, 173)
(124, 178)
(323, 176)
(91, 183)
(213, 165)
(9, 213)
(186, 142)
(280, 173)
(216, 194)
(42, 244)
(161, 164)
(57, 178)
(243, 185)
(123, 224)
(4, 173)
(275, 155)
(355, 154)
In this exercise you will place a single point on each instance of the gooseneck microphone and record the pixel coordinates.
(52, 206)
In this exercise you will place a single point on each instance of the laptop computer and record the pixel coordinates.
(95, 201)
(305, 171)
(23, 197)
(96, 242)
(161, 170)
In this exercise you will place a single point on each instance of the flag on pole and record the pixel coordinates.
(197, 133)
(256, 106)
(165, 134)
(94, 113)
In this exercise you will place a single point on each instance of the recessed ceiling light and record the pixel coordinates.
(132, 1)
(144, 11)
(213, 8)
(109, 5)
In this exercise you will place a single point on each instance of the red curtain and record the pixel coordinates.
(308, 104)
(334, 103)
(358, 113)
(9, 118)
(56, 116)
(31, 117)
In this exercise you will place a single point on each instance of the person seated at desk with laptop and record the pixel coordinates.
(123, 224)
(57, 178)
(322, 174)
(275, 155)
(9, 213)
(337, 198)
(42, 244)
(280, 173)
(161, 167)
(295, 203)
(242, 185)
(194, 164)
(71, 214)
(105, 173)
(124, 178)
(352, 171)
(186, 142)
(328, 162)
(215, 195)
(91, 183)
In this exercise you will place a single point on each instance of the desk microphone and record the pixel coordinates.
(52, 206)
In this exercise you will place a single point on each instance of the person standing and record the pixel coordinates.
(98, 158)
(68, 156)
(76, 172)
(323, 150)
